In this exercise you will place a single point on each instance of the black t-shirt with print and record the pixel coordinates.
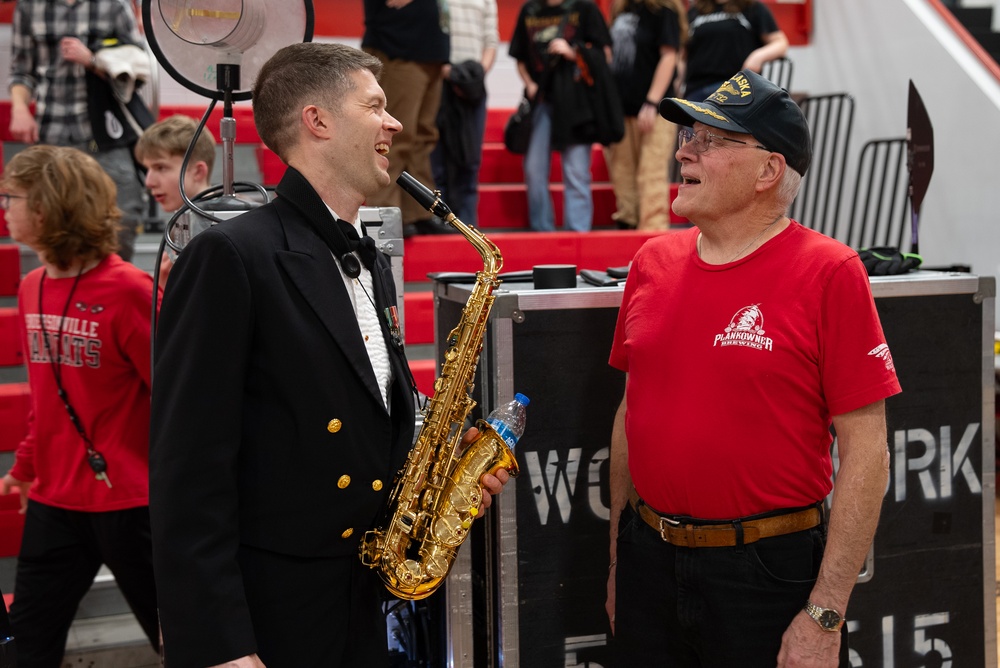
(719, 43)
(538, 24)
(638, 34)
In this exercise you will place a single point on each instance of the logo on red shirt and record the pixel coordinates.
(746, 328)
(882, 351)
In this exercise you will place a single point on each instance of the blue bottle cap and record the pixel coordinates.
(521, 399)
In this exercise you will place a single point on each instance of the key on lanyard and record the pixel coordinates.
(100, 467)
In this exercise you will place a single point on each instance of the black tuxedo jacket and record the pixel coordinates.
(267, 427)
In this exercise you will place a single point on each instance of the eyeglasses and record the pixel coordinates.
(701, 140)
(5, 199)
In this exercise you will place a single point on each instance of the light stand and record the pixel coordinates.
(221, 42)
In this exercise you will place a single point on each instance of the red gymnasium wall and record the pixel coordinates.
(345, 18)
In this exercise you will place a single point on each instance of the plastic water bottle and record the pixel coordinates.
(508, 420)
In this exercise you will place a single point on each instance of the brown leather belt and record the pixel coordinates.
(723, 535)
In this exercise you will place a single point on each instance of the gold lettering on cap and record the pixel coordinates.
(703, 110)
(744, 85)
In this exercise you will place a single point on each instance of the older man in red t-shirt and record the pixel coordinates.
(744, 339)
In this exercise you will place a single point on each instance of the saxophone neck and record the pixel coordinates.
(492, 258)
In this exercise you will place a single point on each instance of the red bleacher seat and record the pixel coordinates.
(271, 166)
(599, 249)
(11, 524)
(424, 373)
(14, 406)
(502, 166)
(246, 130)
(505, 205)
(10, 269)
(10, 343)
(418, 309)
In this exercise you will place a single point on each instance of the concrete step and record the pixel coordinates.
(105, 633)
(114, 641)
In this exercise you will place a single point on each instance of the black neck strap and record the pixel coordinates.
(94, 458)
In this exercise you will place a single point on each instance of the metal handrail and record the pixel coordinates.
(880, 208)
(831, 120)
(779, 72)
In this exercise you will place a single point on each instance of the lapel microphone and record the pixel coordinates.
(365, 246)
(350, 264)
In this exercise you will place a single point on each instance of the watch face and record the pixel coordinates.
(829, 619)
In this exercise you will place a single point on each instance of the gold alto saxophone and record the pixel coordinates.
(436, 494)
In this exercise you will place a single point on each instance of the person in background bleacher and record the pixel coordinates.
(743, 339)
(282, 403)
(725, 36)
(161, 149)
(546, 41)
(85, 329)
(647, 36)
(52, 51)
(462, 119)
(410, 38)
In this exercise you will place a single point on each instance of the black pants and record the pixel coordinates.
(61, 553)
(709, 607)
(314, 613)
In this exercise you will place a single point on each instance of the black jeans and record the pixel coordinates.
(61, 553)
(709, 607)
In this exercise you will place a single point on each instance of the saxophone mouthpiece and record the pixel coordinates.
(426, 197)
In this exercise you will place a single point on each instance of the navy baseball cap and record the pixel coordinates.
(750, 104)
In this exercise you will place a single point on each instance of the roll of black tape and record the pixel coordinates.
(548, 276)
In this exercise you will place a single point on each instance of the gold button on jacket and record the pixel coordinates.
(344, 481)
(334, 425)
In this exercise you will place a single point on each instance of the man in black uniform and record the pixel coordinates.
(282, 407)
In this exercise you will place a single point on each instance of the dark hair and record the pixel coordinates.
(730, 7)
(298, 75)
(76, 200)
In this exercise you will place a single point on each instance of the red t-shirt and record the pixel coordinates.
(105, 370)
(735, 371)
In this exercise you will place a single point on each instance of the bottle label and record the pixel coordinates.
(505, 432)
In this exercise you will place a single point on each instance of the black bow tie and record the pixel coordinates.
(364, 246)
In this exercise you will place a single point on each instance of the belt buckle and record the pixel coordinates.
(663, 529)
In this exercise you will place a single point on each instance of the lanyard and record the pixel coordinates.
(94, 458)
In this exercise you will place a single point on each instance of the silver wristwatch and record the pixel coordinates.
(827, 618)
